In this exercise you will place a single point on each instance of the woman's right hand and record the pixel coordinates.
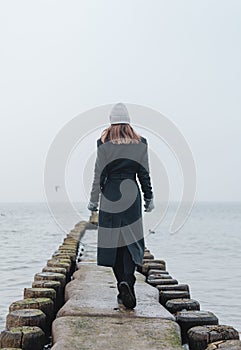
(92, 206)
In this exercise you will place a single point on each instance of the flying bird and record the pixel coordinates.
(57, 188)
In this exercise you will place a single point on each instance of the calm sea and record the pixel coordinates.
(205, 253)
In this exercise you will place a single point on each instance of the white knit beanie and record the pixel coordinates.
(119, 114)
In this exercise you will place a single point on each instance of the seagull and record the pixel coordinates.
(56, 188)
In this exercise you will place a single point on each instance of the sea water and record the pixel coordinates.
(205, 253)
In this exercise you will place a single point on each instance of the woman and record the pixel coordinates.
(121, 155)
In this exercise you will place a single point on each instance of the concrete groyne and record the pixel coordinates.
(72, 305)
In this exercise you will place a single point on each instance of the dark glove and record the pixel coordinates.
(92, 206)
(149, 205)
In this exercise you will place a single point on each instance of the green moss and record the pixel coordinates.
(42, 290)
(170, 337)
(173, 338)
(24, 329)
(36, 300)
(59, 263)
(27, 312)
(11, 349)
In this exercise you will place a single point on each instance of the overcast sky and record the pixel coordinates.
(61, 58)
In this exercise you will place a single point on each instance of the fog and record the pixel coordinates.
(59, 59)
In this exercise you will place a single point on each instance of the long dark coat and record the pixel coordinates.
(120, 212)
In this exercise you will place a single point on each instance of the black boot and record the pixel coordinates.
(119, 300)
(133, 291)
(127, 295)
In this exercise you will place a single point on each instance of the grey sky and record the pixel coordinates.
(60, 58)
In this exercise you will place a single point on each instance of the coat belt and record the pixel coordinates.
(122, 176)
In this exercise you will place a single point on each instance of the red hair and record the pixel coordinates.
(120, 133)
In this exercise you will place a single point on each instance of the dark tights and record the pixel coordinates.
(124, 268)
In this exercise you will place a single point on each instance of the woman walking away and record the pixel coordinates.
(122, 154)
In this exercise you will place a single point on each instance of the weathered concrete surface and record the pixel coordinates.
(111, 333)
(92, 319)
(93, 293)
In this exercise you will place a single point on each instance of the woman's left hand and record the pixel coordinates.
(149, 205)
